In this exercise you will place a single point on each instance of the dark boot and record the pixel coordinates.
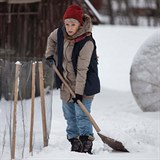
(87, 142)
(76, 145)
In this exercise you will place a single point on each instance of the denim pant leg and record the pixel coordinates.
(70, 116)
(83, 123)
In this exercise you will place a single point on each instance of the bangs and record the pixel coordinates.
(71, 20)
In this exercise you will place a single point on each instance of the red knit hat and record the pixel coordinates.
(75, 12)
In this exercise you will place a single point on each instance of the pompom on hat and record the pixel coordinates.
(75, 12)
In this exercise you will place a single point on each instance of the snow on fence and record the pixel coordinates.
(25, 107)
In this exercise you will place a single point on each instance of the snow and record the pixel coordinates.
(114, 109)
(117, 46)
(18, 63)
(145, 74)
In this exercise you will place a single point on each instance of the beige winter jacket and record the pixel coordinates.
(77, 83)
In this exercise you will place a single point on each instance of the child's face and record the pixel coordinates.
(71, 26)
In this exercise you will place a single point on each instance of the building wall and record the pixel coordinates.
(132, 12)
(25, 27)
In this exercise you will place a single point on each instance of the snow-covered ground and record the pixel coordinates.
(118, 117)
(114, 109)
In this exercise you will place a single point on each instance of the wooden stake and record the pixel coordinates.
(44, 125)
(15, 110)
(32, 109)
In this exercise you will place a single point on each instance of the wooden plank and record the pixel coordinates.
(32, 108)
(22, 1)
(44, 125)
(20, 13)
(15, 110)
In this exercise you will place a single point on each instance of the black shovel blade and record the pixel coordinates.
(114, 144)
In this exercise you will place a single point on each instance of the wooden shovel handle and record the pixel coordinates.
(79, 102)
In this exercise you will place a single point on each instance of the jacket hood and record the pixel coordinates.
(85, 28)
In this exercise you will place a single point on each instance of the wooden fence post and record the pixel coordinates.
(44, 125)
(32, 108)
(15, 110)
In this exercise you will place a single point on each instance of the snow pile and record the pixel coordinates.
(145, 74)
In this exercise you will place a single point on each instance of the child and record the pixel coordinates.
(72, 48)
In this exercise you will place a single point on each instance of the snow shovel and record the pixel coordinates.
(114, 144)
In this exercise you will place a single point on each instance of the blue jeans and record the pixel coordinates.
(78, 123)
